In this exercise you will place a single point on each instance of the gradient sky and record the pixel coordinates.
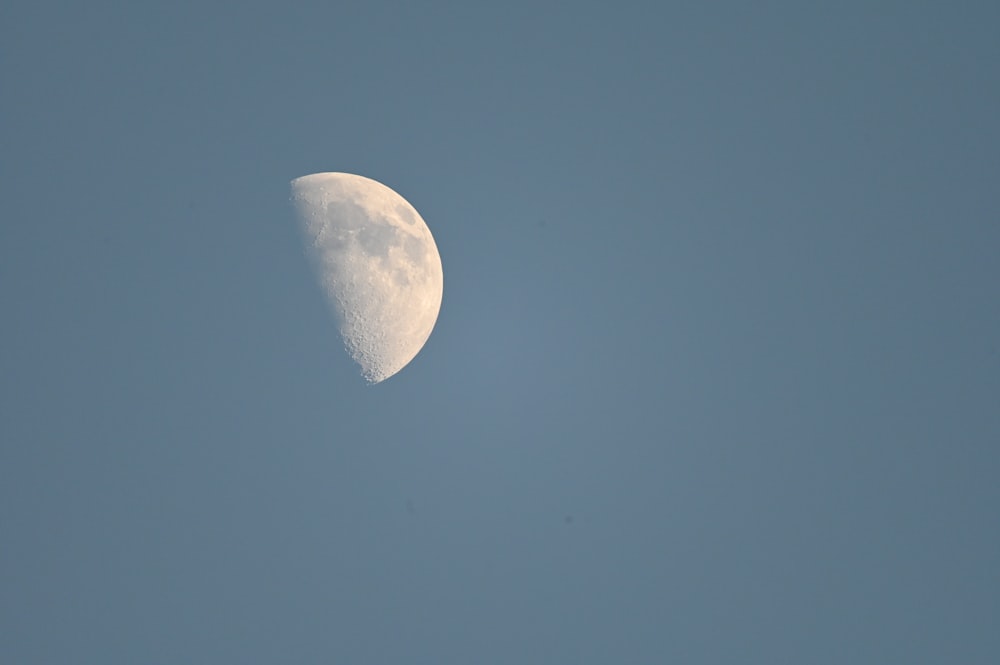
(716, 377)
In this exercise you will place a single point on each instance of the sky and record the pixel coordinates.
(715, 379)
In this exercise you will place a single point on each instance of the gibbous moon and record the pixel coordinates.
(377, 262)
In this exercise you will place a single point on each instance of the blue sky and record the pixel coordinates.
(715, 377)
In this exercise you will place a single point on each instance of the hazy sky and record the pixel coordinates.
(716, 377)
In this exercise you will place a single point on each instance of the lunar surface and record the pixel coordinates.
(377, 263)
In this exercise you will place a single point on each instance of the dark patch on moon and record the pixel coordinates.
(406, 214)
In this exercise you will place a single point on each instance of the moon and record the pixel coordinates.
(377, 262)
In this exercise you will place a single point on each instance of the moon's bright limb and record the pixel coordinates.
(378, 264)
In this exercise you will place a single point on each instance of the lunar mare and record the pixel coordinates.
(377, 263)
